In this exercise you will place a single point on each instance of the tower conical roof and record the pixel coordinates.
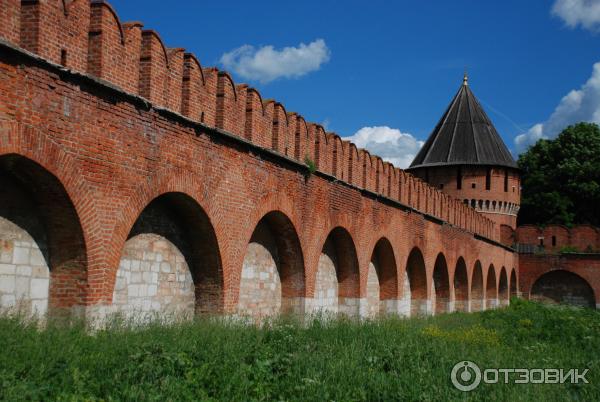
(464, 136)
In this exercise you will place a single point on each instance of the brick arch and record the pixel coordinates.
(280, 202)
(383, 262)
(177, 218)
(563, 286)
(477, 288)
(513, 287)
(167, 181)
(416, 274)
(441, 284)
(34, 145)
(313, 243)
(348, 272)
(41, 229)
(491, 289)
(273, 275)
(461, 286)
(387, 274)
(503, 290)
(339, 251)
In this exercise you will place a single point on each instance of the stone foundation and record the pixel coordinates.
(24, 272)
(460, 305)
(326, 287)
(491, 304)
(153, 280)
(373, 306)
(260, 286)
(477, 305)
(351, 306)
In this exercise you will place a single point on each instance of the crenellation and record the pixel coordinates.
(55, 34)
(10, 20)
(366, 169)
(337, 155)
(174, 90)
(319, 146)
(380, 176)
(154, 69)
(231, 108)
(409, 185)
(293, 136)
(392, 181)
(353, 164)
(418, 196)
(138, 61)
(282, 140)
(554, 238)
(112, 164)
(193, 94)
(259, 118)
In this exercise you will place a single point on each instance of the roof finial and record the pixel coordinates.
(465, 77)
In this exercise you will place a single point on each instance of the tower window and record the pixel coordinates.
(488, 179)
(473, 185)
(553, 241)
(459, 178)
(506, 181)
(63, 58)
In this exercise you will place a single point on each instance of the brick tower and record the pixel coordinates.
(465, 157)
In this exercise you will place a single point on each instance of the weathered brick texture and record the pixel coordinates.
(131, 127)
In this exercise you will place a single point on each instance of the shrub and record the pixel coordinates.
(312, 167)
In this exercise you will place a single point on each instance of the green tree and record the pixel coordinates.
(561, 178)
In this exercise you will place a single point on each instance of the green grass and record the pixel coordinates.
(342, 360)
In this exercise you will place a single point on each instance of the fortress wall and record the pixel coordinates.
(585, 237)
(560, 278)
(87, 36)
(114, 158)
(113, 153)
(558, 264)
(553, 238)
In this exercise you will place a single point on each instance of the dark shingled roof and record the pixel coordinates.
(464, 136)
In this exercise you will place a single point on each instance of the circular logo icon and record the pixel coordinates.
(465, 376)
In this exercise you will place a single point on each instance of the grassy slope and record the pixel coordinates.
(389, 359)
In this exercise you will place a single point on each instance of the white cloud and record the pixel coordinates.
(578, 12)
(266, 64)
(578, 105)
(390, 144)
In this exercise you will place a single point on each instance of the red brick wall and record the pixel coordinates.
(583, 238)
(114, 153)
(533, 266)
(10, 20)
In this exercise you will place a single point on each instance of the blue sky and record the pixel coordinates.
(391, 68)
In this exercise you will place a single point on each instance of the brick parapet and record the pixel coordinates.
(556, 238)
(88, 37)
